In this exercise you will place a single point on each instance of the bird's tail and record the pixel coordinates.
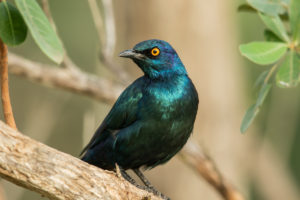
(101, 154)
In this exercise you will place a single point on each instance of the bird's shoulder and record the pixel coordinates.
(124, 110)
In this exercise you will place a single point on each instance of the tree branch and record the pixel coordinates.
(194, 157)
(75, 80)
(57, 175)
(69, 78)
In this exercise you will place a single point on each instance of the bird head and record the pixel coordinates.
(156, 58)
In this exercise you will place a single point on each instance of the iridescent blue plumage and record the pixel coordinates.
(153, 118)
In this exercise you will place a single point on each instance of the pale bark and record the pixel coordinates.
(57, 175)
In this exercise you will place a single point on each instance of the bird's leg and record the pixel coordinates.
(127, 177)
(149, 186)
(143, 178)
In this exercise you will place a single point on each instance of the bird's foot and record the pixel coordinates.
(156, 192)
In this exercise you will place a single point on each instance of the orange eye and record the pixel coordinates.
(155, 51)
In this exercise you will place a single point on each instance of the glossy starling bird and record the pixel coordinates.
(152, 119)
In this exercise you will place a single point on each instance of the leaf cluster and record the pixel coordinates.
(280, 50)
(28, 15)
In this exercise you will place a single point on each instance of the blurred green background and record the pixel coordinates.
(264, 164)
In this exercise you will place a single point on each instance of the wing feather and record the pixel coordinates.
(122, 114)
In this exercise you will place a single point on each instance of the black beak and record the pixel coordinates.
(130, 53)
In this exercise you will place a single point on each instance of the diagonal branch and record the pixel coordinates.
(69, 78)
(194, 157)
(75, 80)
(57, 175)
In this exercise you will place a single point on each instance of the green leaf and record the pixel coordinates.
(275, 24)
(263, 53)
(271, 37)
(41, 29)
(249, 117)
(270, 7)
(288, 74)
(247, 8)
(295, 19)
(263, 92)
(13, 30)
(253, 110)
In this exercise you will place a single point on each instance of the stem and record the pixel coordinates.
(270, 73)
(7, 109)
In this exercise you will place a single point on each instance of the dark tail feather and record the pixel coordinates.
(100, 155)
(100, 135)
(86, 157)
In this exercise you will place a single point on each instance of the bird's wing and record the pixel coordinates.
(122, 114)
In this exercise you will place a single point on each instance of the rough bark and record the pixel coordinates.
(57, 175)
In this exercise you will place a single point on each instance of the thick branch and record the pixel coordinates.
(57, 175)
(74, 80)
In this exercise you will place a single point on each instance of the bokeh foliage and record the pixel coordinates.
(280, 50)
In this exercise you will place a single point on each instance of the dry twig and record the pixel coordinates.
(194, 157)
(7, 109)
